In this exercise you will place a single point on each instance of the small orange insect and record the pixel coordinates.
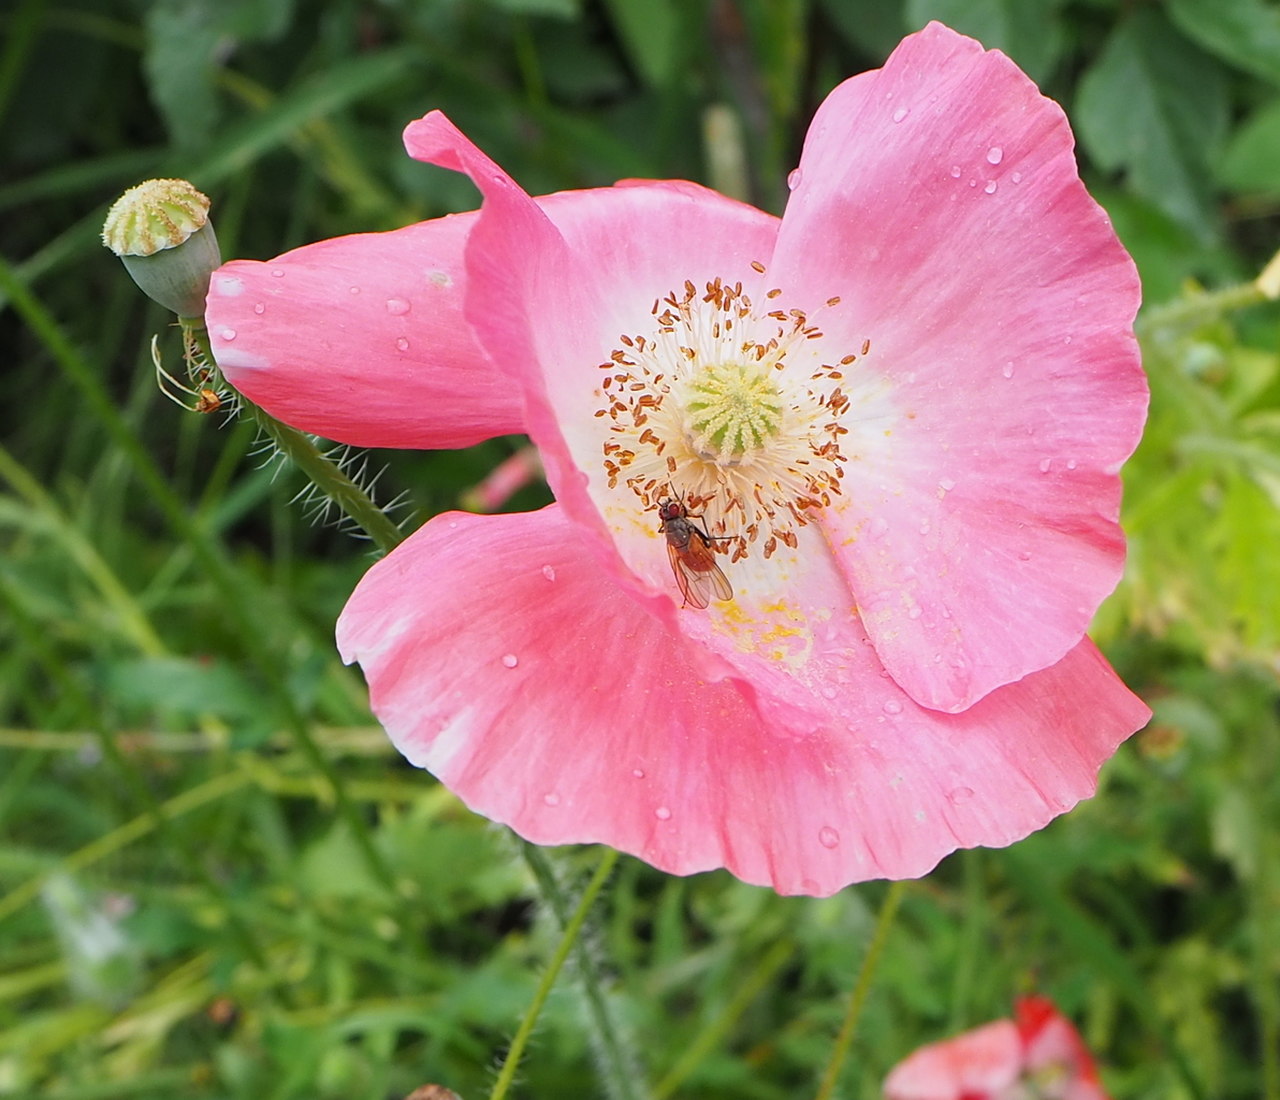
(693, 557)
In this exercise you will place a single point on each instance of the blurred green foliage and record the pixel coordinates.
(191, 781)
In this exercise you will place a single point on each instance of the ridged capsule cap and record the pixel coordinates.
(161, 231)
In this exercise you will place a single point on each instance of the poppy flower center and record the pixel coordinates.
(732, 409)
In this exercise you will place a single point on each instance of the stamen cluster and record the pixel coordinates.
(732, 410)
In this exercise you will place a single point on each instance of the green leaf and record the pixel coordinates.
(1029, 31)
(1251, 161)
(186, 42)
(1244, 33)
(650, 33)
(340, 85)
(182, 42)
(559, 9)
(1153, 106)
(178, 686)
(873, 27)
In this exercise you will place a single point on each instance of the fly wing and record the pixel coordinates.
(699, 577)
(692, 587)
(720, 583)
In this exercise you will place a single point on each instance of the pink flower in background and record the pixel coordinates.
(1040, 1056)
(895, 416)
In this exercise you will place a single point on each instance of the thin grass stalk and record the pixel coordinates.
(719, 1028)
(618, 1062)
(567, 942)
(858, 998)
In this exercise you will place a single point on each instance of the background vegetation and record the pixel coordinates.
(218, 880)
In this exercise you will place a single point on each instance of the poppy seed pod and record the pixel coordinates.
(161, 231)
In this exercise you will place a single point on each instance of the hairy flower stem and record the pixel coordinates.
(616, 1064)
(567, 941)
(302, 451)
(858, 998)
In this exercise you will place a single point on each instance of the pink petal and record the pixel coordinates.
(570, 291)
(977, 1065)
(501, 656)
(938, 199)
(361, 339)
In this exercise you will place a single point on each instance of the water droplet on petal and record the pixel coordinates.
(353, 289)
(228, 334)
(900, 114)
(1024, 555)
(398, 307)
(955, 171)
(946, 484)
(662, 813)
(990, 189)
(973, 183)
(915, 613)
(1007, 370)
(638, 772)
(259, 308)
(1016, 177)
(402, 342)
(960, 794)
(793, 178)
(551, 799)
(1045, 463)
(510, 660)
(549, 572)
(829, 691)
(995, 155)
(924, 527)
(277, 272)
(892, 706)
(879, 527)
(828, 837)
(1071, 464)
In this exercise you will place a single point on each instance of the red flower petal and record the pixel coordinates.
(1054, 1053)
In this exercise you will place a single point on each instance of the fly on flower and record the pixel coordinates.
(693, 557)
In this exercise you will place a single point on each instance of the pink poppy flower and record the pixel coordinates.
(892, 419)
(1039, 1056)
